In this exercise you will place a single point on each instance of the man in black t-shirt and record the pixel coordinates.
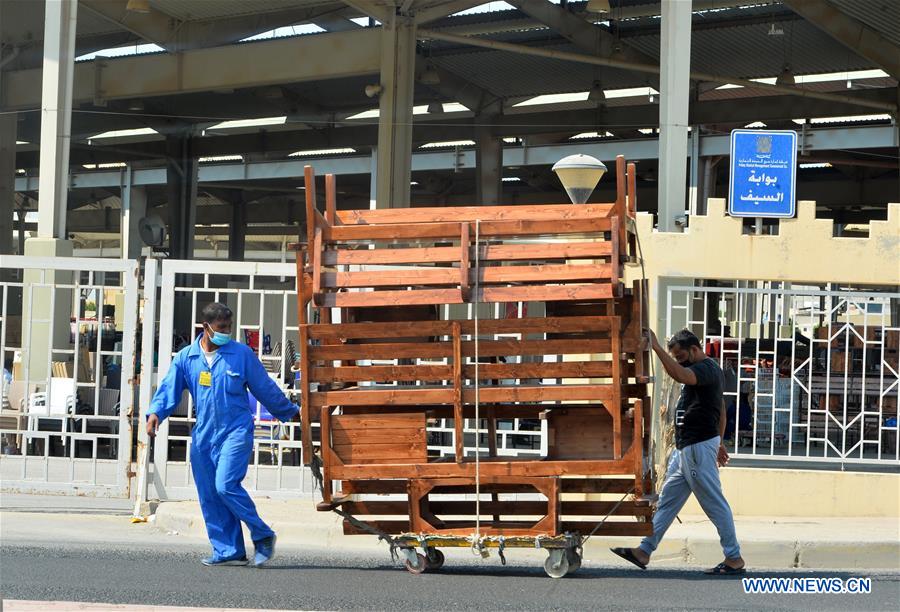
(694, 465)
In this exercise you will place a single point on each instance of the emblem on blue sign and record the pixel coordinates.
(762, 173)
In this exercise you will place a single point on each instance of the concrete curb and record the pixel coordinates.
(300, 527)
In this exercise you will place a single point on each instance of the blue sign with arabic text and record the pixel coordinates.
(763, 173)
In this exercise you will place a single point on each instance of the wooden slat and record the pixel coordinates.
(562, 250)
(523, 393)
(405, 420)
(330, 200)
(408, 277)
(487, 468)
(391, 298)
(545, 273)
(533, 325)
(545, 294)
(458, 420)
(380, 435)
(380, 373)
(309, 183)
(566, 369)
(374, 487)
(601, 508)
(620, 211)
(390, 350)
(486, 348)
(535, 212)
(391, 256)
(317, 263)
(450, 230)
(464, 271)
(381, 397)
(375, 508)
(389, 452)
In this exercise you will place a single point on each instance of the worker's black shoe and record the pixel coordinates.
(265, 551)
(233, 561)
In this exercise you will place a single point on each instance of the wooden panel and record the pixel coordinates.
(580, 434)
(395, 231)
(523, 393)
(486, 348)
(409, 277)
(602, 508)
(400, 397)
(374, 487)
(566, 369)
(533, 212)
(487, 468)
(544, 273)
(383, 438)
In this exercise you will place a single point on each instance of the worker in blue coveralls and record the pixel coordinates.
(218, 371)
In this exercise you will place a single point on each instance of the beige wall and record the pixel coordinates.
(807, 493)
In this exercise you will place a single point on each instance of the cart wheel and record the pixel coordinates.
(574, 560)
(434, 558)
(421, 564)
(556, 566)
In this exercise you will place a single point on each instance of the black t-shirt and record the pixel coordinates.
(697, 413)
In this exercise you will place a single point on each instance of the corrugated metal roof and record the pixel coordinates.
(750, 52)
(880, 15)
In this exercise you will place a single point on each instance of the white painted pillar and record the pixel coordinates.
(373, 180)
(134, 208)
(675, 64)
(398, 61)
(56, 116)
(694, 191)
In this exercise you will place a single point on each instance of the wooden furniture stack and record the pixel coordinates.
(392, 344)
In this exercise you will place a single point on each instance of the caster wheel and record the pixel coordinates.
(556, 568)
(434, 558)
(574, 560)
(421, 564)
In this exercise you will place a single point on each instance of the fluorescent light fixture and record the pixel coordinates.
(124, 133)
(221, 158)
(311, 152)
(18, 142)
(511, 140)
(815, 165)
(448, 143)
(755, 124)
(584, 135)
(511, 179)
(578, 96)
(245, 123)
(105, 166)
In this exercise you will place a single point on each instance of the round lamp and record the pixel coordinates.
(579, 174)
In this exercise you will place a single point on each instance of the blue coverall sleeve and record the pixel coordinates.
(168, 394)
(266, 391)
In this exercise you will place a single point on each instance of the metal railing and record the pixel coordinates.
(810, 375)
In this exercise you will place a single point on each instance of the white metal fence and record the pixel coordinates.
(67, 339)
(810, 375)
(264, 301)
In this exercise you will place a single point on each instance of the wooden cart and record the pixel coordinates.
(399, 337)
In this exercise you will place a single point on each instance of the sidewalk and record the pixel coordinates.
(776, 543)
(767, 543)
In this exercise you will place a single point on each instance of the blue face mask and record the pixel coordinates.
(220, 338)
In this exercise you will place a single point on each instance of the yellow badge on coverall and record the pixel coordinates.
(205, 379)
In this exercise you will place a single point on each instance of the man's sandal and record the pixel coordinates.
(722, 569)
(626, 554)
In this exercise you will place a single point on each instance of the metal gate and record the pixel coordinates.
(810, 375)
(67, 338)
(263, 298)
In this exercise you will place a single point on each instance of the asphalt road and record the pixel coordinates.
(318, 580)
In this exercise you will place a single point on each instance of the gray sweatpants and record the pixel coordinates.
(693, 469)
